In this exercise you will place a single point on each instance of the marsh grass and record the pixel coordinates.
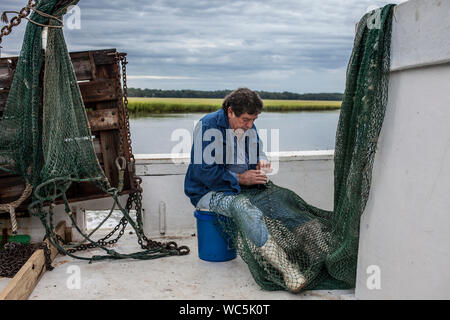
(144, 106)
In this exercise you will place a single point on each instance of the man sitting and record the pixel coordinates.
(227, 156)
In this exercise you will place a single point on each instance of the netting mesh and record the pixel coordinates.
(45, 137)
(63, 146)
(67, 141)
(305, 247)
(20, 147)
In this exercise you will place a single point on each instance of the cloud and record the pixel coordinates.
(292, 45)
(159, 77)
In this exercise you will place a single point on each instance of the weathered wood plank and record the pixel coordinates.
(82, 68)
(93, 67)
(103, 57)
(106, 119)
(84, 64)
(110, 151)
(98, 149)
(112, 71)
(22, 285)
(98, 69)
(107, 71)
(4, 174)
(3, 98)
(4, 75)
(101, 90)
(79, 55)
(7, 67)
(109, 140)
(11, 188)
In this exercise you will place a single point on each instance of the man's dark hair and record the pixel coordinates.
(242, 101)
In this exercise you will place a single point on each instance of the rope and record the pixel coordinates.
(4, 17)
(44, 25)
(24, 14)
(11, 207)
(121, 164)
(46, 15)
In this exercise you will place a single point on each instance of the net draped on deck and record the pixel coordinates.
(321, 244)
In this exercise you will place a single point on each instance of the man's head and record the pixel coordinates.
(242, 107)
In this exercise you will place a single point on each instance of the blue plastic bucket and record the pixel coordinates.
(211, 245)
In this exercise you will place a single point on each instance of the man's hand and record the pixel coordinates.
(252, 177)
(264, 166)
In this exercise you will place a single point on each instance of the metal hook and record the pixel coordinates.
(123, 163)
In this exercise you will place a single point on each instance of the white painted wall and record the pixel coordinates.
(405, 229)
(309, 174)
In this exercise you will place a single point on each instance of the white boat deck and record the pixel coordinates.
(169, 278)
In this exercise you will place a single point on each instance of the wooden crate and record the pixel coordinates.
(97, 74)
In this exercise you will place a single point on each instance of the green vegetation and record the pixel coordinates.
(144, 106)
(220, 94)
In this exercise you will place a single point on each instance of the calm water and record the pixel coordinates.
(297, 131)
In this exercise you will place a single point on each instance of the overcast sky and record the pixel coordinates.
(273, 45)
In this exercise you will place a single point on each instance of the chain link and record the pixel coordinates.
(14, 255)
(122, 124)
(124, 121)
(102, 242)
(134, 199)
(151, 244)
(124, 62)
(122, 131)
(137, 196)
(15, 21)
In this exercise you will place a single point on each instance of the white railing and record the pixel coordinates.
(308, 173)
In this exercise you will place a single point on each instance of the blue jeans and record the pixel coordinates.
(245, 214)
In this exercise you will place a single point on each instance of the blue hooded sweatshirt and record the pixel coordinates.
(204, 175)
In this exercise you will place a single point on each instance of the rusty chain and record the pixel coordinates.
(103, 241)
(14, 255)
(15, 21)
(123, 222)
(136, 197)
(124, 121)
(151, 244)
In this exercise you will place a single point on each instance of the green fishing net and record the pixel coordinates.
(45, 137)
(308, 247)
